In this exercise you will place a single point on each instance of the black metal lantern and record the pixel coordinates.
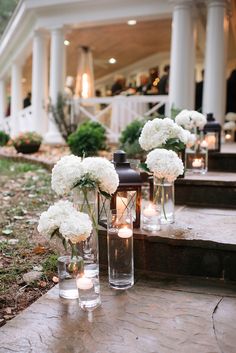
(212, 132)
(127, 195)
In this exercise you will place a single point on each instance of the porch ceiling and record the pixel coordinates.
(127, 44)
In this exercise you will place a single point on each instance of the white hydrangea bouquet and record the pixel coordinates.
(191, 120)
(91, 173)
(164, 133)
(165, 166)
(64, 221)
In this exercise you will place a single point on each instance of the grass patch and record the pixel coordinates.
(8, 167)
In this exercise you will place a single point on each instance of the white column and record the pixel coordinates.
(181, 86)
(215, 61)
(16, 96)
(2, 102)
(39, 82)
(56, 80)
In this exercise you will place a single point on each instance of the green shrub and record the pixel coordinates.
(4, 138)
(88, 139)
(129, 139)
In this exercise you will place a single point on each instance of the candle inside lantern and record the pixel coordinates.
(211, 141)
(84, 283)
(125, 232)
(204, 144)
(197, 162)
(150, 210)
(121, 203)
(228, 137)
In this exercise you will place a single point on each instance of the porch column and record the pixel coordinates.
(39, 82)
(2, 103)
(181, 91)
(214, 91)
(16, 96)
(56, 84)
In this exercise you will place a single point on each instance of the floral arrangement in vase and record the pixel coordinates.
(164, 133)
(91, 174)
(27, 142)
(64, 221)
(73, 228)
(165, 166)
(196, 155)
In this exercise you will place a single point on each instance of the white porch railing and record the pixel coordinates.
(115, 113)
(24, 121)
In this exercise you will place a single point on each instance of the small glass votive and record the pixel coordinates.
(151, 218)
(120, 250)
(89, 292)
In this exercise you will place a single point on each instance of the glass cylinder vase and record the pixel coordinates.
(196, 156)
(120, 250)
(163, 197)
(68, 269)
(85, 200)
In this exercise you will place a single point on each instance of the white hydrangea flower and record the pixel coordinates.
(230, 116)
(164, 164)
(157, 132)
(190, 119)
(103, 172)
(72, 225)
(230, 125)
(65, 174)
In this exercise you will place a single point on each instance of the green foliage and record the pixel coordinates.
(27, 138)
(88, 139)
(6, 9)
(14, 168)
(50, 264)
(61, 114)
(4, 138)
(129, 139)
(174, 112)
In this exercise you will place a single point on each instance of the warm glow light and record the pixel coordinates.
(150, 210)
(125, 232)
(66, 42)
(132, 22)
(121, 203)
(197, 163)
(112, 61)
(85, 86)
(211, 141)
(228, 137)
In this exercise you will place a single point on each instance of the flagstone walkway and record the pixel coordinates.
(155, 316)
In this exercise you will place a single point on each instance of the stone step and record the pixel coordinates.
(225, 162)
(202, 242)
(214, 189)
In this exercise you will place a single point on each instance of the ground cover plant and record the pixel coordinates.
(27, 260)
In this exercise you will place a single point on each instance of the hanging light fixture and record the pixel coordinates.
(85, 78)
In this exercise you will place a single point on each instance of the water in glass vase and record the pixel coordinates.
(89, 292)
(120, 258)
(164, 198)
(68, 269)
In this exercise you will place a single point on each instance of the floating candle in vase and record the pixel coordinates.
(84, 283)
(197, 163)
(125, 232)
(228, 137)
(150, 210)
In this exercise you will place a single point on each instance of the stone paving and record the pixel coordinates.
(155, 316)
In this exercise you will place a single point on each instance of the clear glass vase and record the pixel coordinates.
(163, 197)
(85, 200)
(68, 269)
(120, 250)
(196, 156)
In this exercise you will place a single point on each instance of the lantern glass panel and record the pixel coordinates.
(212, 139)
(126, 200)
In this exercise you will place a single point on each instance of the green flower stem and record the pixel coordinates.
(90, 210)
(74, 251)
(160, 195)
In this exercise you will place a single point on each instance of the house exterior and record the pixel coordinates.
(38, 29)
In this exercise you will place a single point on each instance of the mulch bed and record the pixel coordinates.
(25, 193)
